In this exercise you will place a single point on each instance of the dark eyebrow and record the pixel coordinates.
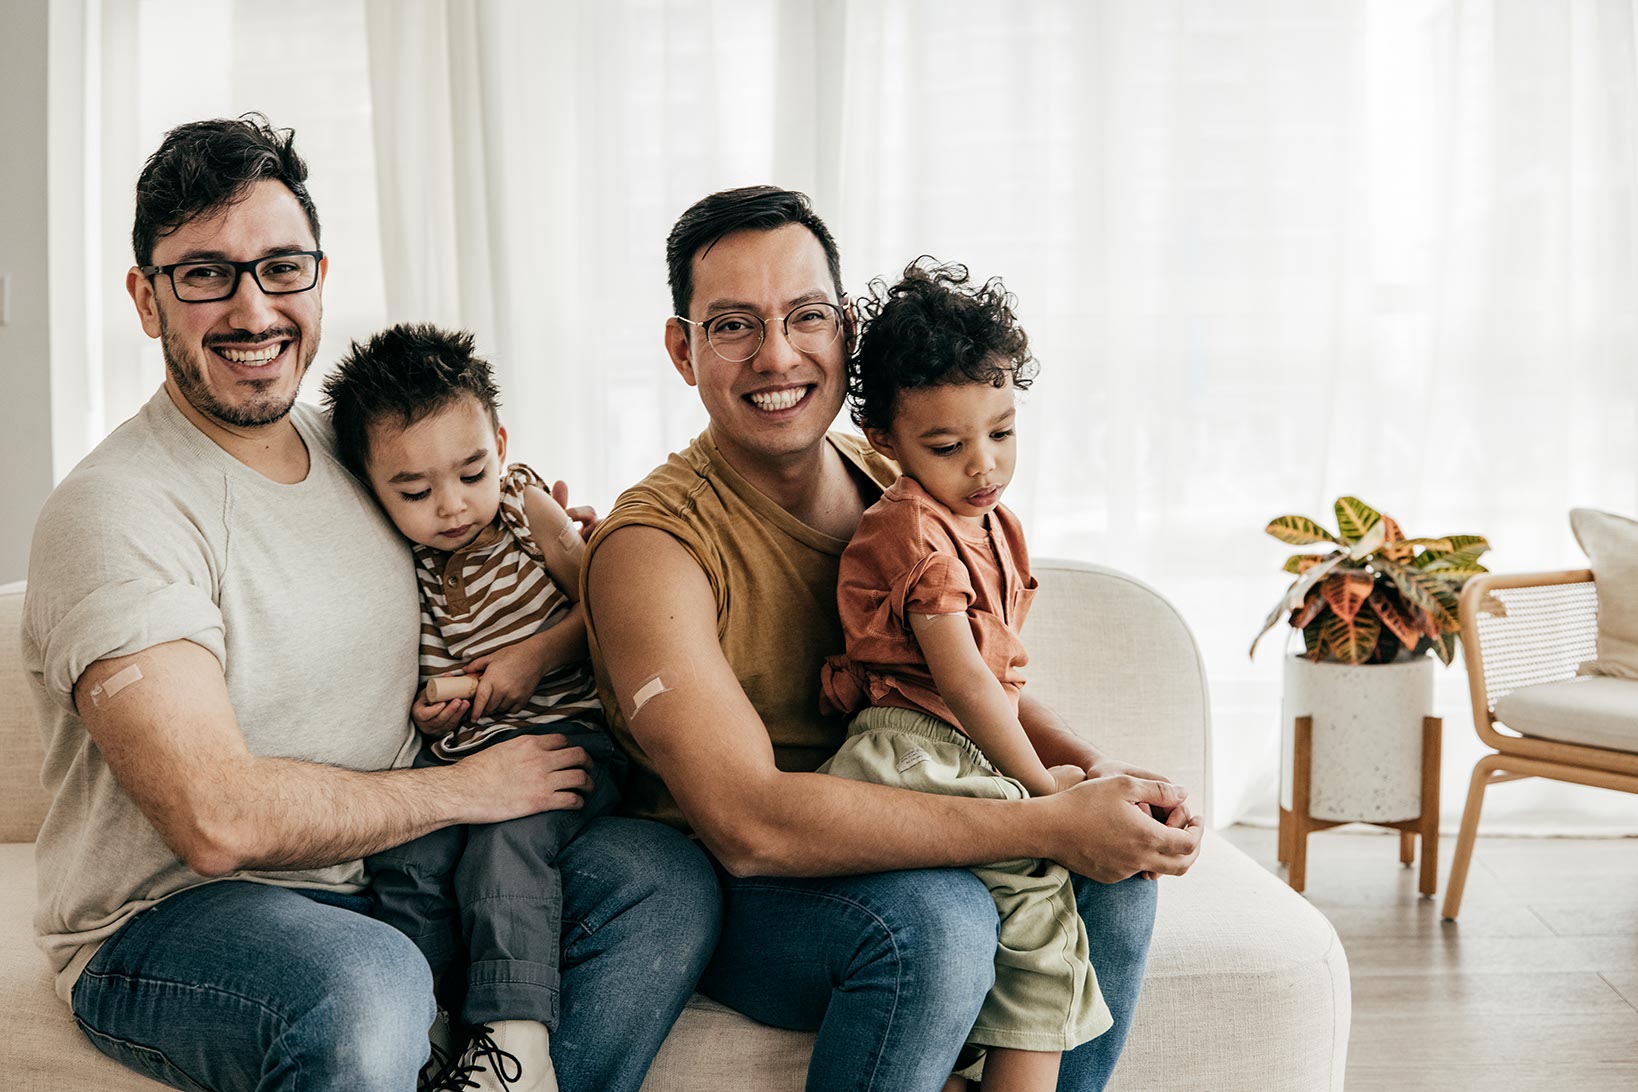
(946, 430)
(816, 296)
(222, 256)
(417, 475)
(721, 307)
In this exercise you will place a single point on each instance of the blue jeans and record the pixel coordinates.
(891, 970)
(234, 986)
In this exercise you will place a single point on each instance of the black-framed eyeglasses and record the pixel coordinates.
(208, 282)
(737, 335)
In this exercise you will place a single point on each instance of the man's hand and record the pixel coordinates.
(1114, 767)
(437, 718)
(506, 677)
(523, 776)
(1103, 828)
(584, 516)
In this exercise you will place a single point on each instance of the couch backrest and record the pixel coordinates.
(22, 801)
(1106, 651)
(1117, 661)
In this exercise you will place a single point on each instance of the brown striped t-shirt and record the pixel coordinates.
(493, 592)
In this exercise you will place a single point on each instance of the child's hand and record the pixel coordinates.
(1065, 777)
(437, 718)
(507, 678)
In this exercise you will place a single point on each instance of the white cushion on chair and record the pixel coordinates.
(1592, 710)
(1611, 544)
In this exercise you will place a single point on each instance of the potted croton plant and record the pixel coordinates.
(1371, 606)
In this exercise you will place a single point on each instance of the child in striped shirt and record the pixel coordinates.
(498, 563)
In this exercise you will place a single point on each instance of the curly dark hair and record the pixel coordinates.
(932, 328)
(204, 166)
(403, 374)
(750, 208)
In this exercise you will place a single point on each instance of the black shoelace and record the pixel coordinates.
(457, 1077)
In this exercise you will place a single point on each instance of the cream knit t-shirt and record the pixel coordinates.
(305, 593)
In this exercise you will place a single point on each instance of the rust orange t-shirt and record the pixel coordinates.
(912, 555)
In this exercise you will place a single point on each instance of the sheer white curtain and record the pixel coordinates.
(532, 160)
(1268, 251)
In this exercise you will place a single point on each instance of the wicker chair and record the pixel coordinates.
(1524, 637)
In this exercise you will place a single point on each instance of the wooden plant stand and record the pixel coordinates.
(1297, 824)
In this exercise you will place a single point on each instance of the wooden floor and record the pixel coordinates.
(1534, 987)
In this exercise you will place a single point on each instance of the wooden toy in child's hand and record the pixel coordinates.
(447, 687)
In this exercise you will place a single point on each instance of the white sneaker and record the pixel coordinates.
(441, 1038)
(509, 1056)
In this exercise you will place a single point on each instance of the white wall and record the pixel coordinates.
(25, 361)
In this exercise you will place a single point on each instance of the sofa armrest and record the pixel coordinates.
(23, 801)
(1118, 662)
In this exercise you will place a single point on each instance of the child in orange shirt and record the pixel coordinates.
(932, 591)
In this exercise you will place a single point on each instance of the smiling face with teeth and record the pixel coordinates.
(776, 406)
(238, 361)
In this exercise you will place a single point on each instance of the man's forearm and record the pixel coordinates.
(801, 824)
(287, 814)
(822, 825)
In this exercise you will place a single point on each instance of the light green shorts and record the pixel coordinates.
(1045, 995)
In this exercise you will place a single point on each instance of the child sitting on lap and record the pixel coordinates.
(498, 562)
(933, 590)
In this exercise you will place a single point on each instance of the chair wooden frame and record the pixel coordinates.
(1519, 757)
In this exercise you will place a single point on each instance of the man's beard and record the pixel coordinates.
(261, 408)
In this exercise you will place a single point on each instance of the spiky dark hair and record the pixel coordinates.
(402, 374)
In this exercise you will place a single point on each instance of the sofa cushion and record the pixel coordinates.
(1590, 710)
(1611, 545)
(39, 1041)
(1229, 938)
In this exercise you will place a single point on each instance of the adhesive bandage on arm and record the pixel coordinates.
(106, 690)
(679, 671)
(653, 688)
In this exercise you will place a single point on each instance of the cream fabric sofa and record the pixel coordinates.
(1247, 985)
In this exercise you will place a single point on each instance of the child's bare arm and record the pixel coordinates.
(558, 538)
(978, 701)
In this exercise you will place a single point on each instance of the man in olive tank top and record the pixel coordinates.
(711, 597)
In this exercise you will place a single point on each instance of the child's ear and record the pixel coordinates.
(500, 446)
(882, 442)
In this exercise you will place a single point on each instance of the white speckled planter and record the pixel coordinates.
(1367, 760)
